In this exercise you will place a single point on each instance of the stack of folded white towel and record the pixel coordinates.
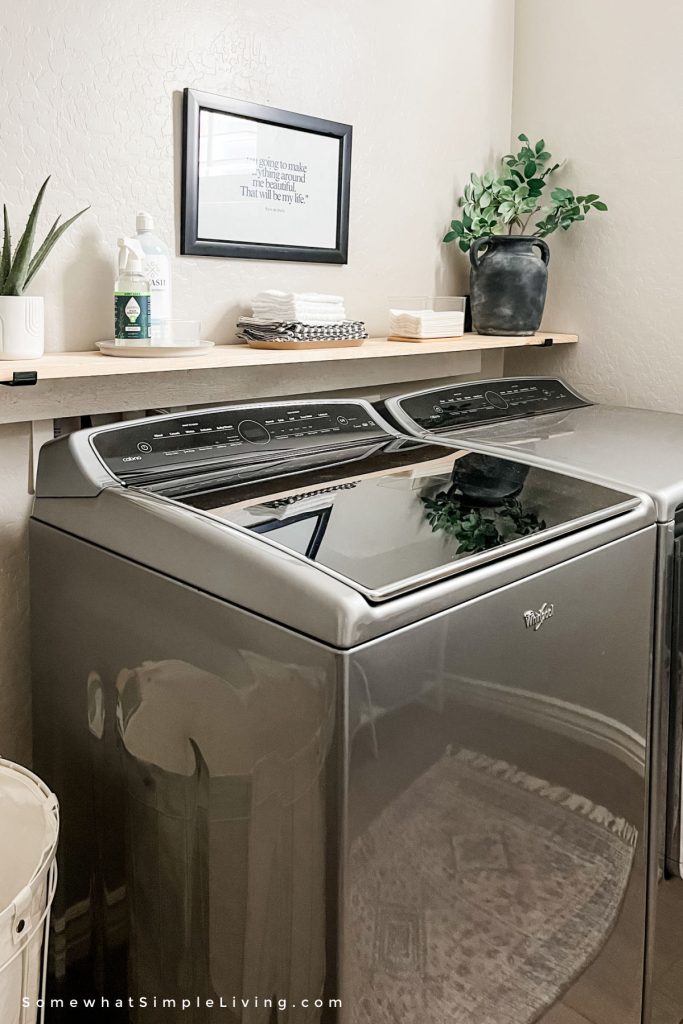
(426, 323)
(298, 307)
(299, 316)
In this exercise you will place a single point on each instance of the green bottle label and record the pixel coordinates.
(132, 316)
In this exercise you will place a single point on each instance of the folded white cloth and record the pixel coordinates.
(304, 307)
(303, 314)
(273, 295)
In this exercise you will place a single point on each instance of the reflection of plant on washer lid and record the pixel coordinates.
(477, 528)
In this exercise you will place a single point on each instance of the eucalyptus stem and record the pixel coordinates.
(497, 202)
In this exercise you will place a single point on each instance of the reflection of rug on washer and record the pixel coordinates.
(479, 894)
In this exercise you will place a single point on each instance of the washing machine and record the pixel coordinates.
(544, 421)
(344, 726)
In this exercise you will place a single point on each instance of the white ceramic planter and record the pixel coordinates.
(22, 327)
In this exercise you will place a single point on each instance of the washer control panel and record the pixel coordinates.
(464, 405)
(162, 442)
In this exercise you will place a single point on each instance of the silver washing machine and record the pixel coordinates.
(544, 422)
(344, 727)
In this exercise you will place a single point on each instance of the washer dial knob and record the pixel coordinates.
(255, 433)
(496, 400)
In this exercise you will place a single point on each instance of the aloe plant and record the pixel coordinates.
(18, 269)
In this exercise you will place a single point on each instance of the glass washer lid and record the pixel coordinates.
(400, 517)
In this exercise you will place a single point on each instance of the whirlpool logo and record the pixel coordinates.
(535, 619)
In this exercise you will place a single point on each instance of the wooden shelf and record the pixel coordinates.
(75, 383)
(61, 365)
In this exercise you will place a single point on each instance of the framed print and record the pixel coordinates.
(263, 184)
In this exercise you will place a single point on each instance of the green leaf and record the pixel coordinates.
(523, 138)
(542, 157)
(450, 236)
(457, 227)
(529, 168)
(6, 258)
(600, 206)
(45, 240)
(16, 279)
(464, 244)
(591, 198)
(550, 170)
(53, 236)
(540, 146)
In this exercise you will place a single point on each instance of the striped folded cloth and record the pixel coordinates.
(251, 328)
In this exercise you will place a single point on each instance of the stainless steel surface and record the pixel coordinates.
(567, 704)
(198, 550)
(663, 775)
(432, 807)
(482, 398)
(672, 634)
(72, 466)
(643, 451)
(213, 767)
(385, 546)
(193, 748)
(376, 534)
(637, 449)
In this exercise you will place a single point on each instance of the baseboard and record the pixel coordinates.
(584, 724)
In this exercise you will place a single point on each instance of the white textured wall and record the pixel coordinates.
(603, 83)
(87, 93)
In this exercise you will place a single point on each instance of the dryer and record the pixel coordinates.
(544, 421)
(331, 742)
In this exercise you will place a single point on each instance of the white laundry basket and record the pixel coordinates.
(29, 828)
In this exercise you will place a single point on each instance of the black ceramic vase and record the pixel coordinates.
(508, 282)
(486, 480)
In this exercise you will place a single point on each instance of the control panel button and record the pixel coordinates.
(496, 400)
(342, 420)
(144, 447)
(253, 432)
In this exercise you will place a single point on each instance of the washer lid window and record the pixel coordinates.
(393, 520)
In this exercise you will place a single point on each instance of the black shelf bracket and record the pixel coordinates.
(21, 378)
(546, 343)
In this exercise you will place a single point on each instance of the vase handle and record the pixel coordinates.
(478, 244)
(545, 249)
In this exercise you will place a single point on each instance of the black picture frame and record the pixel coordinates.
(191, 244)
